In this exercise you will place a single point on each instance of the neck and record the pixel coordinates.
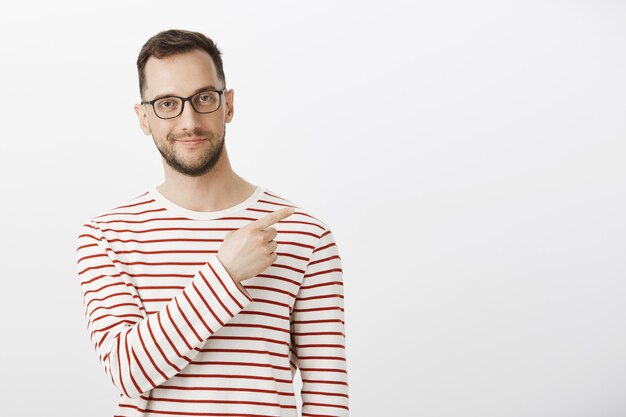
(216, 190)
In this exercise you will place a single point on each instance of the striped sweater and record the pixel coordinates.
(177, 336)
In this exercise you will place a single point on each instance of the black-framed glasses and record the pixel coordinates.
(206, 101)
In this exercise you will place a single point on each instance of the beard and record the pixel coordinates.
(204, 163)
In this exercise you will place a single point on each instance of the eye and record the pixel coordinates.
(205, 98)
(167, 104)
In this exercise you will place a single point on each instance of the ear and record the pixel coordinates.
(229, 96)
(142, 116)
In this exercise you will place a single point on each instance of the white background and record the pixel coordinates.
(468, 156)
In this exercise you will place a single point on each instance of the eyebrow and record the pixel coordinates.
(206, 87)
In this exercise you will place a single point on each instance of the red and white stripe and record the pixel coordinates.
(178, 337)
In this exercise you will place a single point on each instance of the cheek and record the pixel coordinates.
(160, 131)
(158, 136)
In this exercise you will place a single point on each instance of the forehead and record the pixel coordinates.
(180, 74)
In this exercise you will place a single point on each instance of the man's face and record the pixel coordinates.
(183, 75)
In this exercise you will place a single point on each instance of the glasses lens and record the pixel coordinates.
(206, 101)
(167, 107)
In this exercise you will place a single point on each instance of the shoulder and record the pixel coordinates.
(304, 218)
(124, 210)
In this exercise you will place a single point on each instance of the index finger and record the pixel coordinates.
(271, 218)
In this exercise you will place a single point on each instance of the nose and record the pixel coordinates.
(189, 118)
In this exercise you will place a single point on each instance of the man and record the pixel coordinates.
(205, 294)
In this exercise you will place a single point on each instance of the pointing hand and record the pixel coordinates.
(248, 251)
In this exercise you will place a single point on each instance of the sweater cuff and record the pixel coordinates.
(240, 293)
(208, 304)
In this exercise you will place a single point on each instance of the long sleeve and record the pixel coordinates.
(140, 351)
(318, 333)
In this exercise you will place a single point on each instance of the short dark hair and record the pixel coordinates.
(175, 41)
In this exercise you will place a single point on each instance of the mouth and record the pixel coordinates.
(191, 141)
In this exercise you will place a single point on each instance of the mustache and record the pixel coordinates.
(196, 133)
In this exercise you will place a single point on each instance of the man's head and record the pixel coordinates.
(183, 63)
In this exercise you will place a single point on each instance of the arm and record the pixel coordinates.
(140, 352)
(318, 334)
